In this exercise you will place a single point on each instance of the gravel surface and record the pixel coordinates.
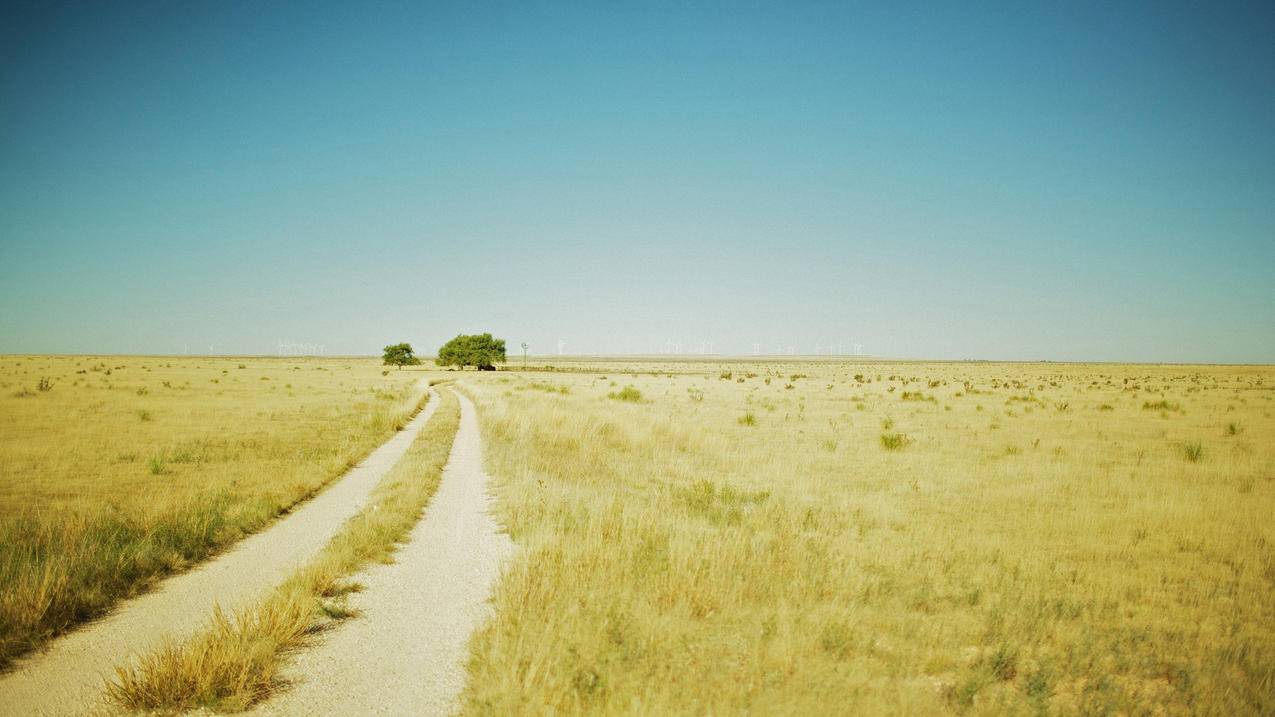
(68, 676)
(405, 654)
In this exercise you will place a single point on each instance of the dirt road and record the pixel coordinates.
(405, 654)
(67, 677)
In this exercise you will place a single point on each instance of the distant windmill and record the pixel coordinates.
(561, 345)
(524, 354)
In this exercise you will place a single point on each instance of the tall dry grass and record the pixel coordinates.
(236, 662)
(123, 470)
(1035, 540)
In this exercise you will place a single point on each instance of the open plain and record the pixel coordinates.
(699, 536)
(814, 537)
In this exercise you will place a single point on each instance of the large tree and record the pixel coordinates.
(480, 350)
(400, 355)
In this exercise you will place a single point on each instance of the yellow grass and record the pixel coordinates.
(129, 468)
(236, 661)
(983, 538)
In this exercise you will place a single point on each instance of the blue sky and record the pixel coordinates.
(1090, 181)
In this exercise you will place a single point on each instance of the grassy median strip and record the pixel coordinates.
(235, 662)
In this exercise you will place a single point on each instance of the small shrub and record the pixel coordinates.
(1234, 429)
(1003, 664)
(724, 375)
(748, 419)
(44, 385)
(156, 465)
(696, 394)
(1160, 406)
(894, 441)
(1193, 451)
(887, 423)
(144, 415)
(837, 639)
(628, 393)
(916, 396)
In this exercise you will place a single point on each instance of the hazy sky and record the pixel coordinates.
(1087, 181)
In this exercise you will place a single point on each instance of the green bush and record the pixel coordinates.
(628, 393)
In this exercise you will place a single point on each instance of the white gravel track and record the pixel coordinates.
(405, 654)
(68, 676)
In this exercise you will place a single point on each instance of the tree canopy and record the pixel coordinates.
(400, 355)
(480, 350)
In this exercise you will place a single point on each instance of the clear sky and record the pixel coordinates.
(1003, 181)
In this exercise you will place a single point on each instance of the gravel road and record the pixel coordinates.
(68, 676)
(405, 654)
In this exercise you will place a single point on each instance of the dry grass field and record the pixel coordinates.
(862, 538)
(114, 471)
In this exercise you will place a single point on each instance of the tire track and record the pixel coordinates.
(406, 654)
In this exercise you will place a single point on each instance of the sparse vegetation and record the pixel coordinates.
(1068, 561)
(123, 499)
(978, 571)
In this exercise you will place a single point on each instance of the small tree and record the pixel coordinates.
(400, 355)
(480, 350)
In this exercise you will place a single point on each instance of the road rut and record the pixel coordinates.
(405, 654)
